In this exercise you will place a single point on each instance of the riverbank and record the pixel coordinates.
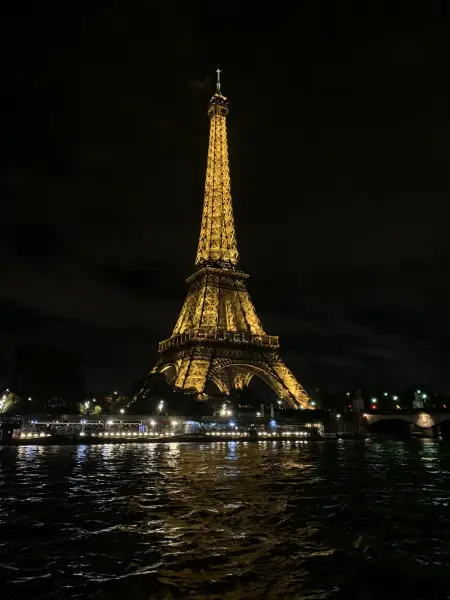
(61, 440)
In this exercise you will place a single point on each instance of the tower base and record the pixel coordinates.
(230, 366)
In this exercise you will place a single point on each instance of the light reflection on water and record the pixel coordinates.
(221, 520)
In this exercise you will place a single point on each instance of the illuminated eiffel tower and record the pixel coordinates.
(218, 336)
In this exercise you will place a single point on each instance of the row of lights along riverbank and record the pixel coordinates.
(157, 428)
(132, 434)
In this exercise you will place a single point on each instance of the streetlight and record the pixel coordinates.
(395, 398)
(313, 403)
(122, 411)
(87, 404)
(338, 416)
(374, 400)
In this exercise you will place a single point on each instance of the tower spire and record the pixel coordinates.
(218, 71)
(217, 243)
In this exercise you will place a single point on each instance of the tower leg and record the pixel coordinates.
(241, 379)
(296, 394)
(192, 374)
(221, 384)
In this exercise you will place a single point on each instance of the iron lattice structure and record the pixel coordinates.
(218, 336)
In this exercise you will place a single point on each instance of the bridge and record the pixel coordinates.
(423, 419)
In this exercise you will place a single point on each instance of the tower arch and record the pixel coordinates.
(246, 372)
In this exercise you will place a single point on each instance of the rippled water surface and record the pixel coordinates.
(222, 520)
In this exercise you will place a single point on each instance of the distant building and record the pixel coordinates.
(358, 402)
(418, 401)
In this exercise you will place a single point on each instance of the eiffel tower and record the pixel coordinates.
(218, 337)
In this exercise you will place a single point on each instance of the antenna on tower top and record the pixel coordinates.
(218, 71)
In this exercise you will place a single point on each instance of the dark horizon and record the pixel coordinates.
(339, 149)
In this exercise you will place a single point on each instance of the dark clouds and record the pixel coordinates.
(339, 143)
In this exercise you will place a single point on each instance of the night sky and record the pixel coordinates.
(339, 151)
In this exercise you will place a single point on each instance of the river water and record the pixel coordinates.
(228, 520)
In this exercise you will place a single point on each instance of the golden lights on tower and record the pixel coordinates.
(218, 336)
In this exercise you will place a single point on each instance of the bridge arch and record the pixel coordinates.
(428, 423)
(422, 419)
(390, 425)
